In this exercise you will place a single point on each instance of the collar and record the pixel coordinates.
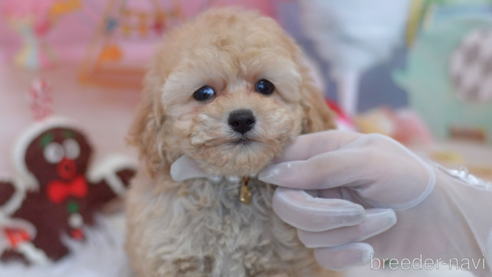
(244, 188)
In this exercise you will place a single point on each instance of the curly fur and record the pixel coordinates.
(199, 228)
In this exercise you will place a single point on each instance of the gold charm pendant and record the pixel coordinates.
(245, 192)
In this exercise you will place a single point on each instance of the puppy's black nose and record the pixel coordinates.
(242, 120)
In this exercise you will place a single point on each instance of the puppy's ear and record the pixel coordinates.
(318, 117)
(147, 129)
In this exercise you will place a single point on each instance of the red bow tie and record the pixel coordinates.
(58, 191)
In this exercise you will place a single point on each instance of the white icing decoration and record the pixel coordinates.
(15, 224)
(72, 149)
(107, 170)
(75, 221)
(33, 254)
(53, 152)
(15, 200)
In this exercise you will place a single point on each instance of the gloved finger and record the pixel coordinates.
(376, 222)
(307, 146)
(345, 167)
(305, 212)
(344, 257)
(185, 168)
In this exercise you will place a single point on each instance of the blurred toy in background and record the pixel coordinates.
(104, 63)
(403, 125)
(353, 36)
(449, 71)
(55, 193)
(32, 20)
(424, 12)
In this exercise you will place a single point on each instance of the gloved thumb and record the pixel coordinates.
(186, 168)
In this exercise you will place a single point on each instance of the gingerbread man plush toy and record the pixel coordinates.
(55, 193)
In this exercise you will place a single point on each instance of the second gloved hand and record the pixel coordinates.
(440, 216)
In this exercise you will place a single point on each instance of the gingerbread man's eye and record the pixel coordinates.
(53, 152)
(72, 149)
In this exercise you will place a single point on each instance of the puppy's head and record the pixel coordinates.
(228, 90)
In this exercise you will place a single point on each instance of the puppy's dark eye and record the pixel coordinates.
(264, 87)
(204, 93)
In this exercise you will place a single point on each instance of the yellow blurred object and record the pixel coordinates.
(126, 29)
(143, 24)
(447, 156)
(414, 20)
(377, 121)
(110, 53)
(63, 7)
(481, 171)
(420, 17)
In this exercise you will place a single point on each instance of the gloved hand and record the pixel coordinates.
(334, 175)
(441, 214)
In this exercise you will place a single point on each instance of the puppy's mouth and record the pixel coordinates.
(243, 141)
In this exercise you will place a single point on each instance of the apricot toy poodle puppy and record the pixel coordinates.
(230, 91)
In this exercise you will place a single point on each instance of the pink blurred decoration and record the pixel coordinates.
(32, 20)
(404, 125)
(42, 28)
(411, 128)
(40, 101)
(344, 122)
(266, 7)
(35, 11)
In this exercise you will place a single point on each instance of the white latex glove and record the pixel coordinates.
(441, 214)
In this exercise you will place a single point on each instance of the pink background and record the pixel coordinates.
(105, 114)
(73, 31)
